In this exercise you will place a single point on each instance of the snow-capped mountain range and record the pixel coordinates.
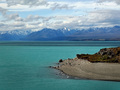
(46, 34)
(17, 32)
(14, 35)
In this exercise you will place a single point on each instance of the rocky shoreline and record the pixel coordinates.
(83, 67)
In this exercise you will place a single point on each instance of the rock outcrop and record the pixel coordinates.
(111, 55)
(85, 66)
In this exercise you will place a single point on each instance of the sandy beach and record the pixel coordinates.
(85, 69)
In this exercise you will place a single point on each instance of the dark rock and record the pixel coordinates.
(69, 59)
(78, 55)
(60, 60)
(104, 53)
(50, 66)
(118, 52)
(53, 67)
(110, 53)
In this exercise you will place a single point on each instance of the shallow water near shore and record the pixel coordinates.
(24, 65)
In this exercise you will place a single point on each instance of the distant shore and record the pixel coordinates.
(85, 69)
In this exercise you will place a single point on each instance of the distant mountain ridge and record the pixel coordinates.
(98, 34)
(47, 34)
(14, 35)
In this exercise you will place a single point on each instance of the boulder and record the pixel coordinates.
(60, 60)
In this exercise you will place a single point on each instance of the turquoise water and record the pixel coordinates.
(24, 65)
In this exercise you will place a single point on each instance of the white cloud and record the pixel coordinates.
(97, 14)
(3, 11)
(103, 18)
(32, 5)
(27, 7)
(26, 2)
(21, 8)
(99, 18)
(116, 1)
(31, 18)
(12, 16)
(60, 5)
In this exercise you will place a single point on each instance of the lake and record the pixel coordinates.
(24, 65)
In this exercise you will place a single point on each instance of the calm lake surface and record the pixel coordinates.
(24, 65)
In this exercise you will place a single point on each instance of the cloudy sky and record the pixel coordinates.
(73, 14)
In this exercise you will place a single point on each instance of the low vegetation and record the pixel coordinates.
(111, 55)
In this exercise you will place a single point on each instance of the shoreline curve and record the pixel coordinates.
(86, 70)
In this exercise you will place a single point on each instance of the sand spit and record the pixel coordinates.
(84, 69)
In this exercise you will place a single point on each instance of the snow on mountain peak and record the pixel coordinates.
(65, 28)
(68, 29)
(17, 32)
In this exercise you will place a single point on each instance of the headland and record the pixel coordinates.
(103, 65)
